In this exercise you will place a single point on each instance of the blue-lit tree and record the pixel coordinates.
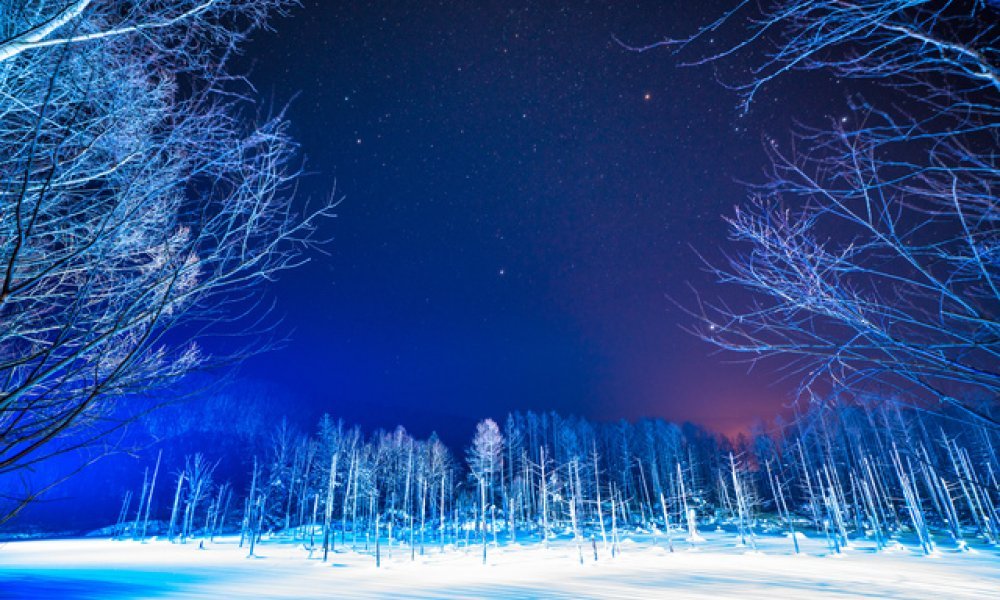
(485, 461)
(873, 251)
(138, 210)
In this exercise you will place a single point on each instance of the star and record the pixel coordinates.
(647, 96)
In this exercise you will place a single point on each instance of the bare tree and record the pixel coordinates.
(198, 475)
(485, 461)
(873, 251)
(138, 211)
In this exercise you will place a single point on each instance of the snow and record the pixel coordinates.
(716, 568)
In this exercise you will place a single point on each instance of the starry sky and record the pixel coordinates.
(523, 198)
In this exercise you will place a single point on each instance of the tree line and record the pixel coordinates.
(841, 470)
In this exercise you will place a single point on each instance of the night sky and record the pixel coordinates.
(523, 198)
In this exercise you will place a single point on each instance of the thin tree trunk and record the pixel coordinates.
(149, 499)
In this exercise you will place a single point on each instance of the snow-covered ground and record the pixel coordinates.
(715, 568)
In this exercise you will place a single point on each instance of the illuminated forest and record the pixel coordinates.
(537, 299)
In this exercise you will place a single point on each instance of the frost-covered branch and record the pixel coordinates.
(141, 204)
(872, 253)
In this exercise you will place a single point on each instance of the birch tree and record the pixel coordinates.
(484, 459)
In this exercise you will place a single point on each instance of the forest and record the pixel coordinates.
(843, 472)
(554, 212)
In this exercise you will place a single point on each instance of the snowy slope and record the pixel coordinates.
(97, 568)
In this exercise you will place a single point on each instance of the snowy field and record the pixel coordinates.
(715, 568)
